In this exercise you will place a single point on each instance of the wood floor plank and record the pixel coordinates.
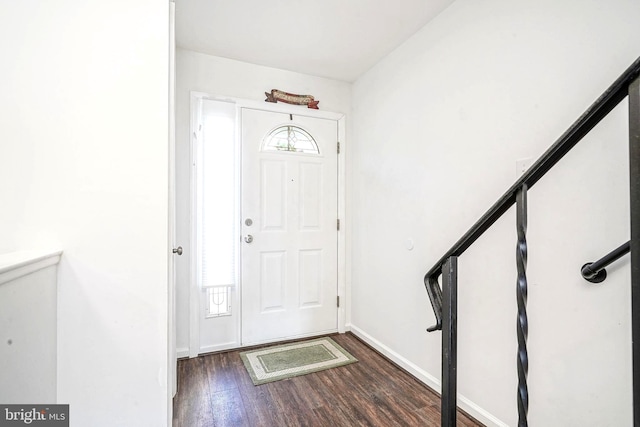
(429, 415)
(192, 404)
(216, 390)
(286, 399)
(260, 408)
(228, 409)
(304, 388)
(220, 372)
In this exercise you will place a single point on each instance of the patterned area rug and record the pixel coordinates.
(290, 360)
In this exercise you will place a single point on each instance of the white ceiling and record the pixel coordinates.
(339, 39)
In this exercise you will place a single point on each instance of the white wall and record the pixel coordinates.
(438, 126)
(83, 167)
(224, 77)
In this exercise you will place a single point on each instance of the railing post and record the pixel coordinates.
(449, 341)
(521, 291)
(634, 175)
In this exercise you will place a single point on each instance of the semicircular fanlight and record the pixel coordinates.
(290, 138)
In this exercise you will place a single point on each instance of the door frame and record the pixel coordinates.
(172, 357)
(342, 261)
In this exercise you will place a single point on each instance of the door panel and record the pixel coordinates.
(310, 206)
(272, 281)
(310, 278)
(274, 195)
(289, 212)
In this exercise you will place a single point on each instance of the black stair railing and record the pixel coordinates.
(595, 271)
(444, 300)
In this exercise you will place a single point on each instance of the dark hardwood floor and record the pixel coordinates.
(215, 390)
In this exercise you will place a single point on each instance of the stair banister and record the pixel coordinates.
(595, 271)
(444, 300)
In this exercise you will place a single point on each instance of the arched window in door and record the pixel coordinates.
(290, 138)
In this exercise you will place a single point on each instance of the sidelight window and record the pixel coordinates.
(216, 203)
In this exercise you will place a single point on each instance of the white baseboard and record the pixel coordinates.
(218, 347)
(463, 403)
(182, 352)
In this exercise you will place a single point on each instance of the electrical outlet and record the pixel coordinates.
(522, 165)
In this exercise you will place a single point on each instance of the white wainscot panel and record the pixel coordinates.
(28, 327)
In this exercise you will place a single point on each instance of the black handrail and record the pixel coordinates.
(591, 117)
(444, 300)
(595, 271)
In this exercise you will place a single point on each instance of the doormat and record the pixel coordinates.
(291, 360)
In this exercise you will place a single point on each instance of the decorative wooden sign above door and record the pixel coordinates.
(291, 98)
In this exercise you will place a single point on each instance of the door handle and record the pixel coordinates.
(178, 250)
(248, 238)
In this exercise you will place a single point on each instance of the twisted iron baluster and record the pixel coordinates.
(523, 327)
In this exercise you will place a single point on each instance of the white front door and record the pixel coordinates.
(289, 226)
